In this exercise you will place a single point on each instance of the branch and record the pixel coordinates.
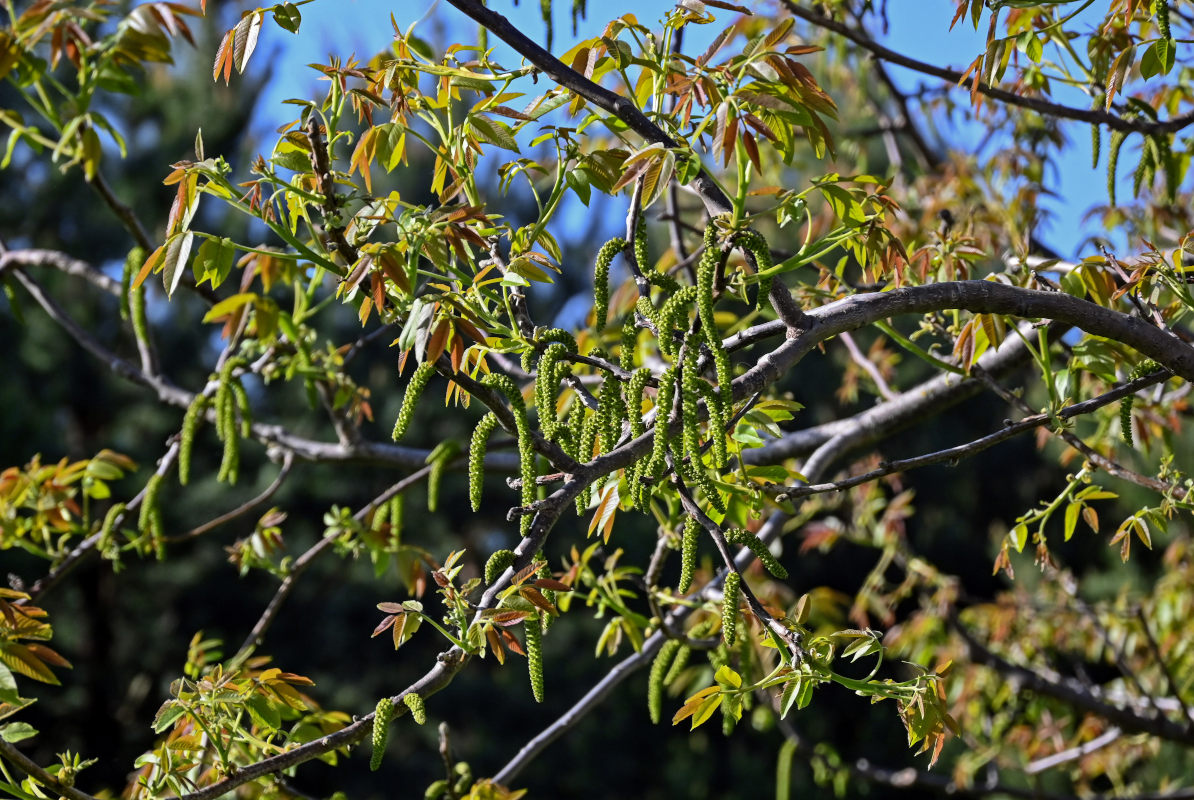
(1108, 736)
(975, 296)
(61, 262)
(622, 107)
(1046, 107)
(1071, 693)
(30, 768)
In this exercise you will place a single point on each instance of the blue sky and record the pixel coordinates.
(363, 27)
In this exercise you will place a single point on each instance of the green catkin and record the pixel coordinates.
(611, 410)
(576, 424)
(380, 515)
(544, 571)
(718, 422)
(689, 395)
(381, 731)
(744, 538)
(545, 12)
(244, 410)
(546, 384)
(418, 382)
(678, 664)
(137, 312)
(729, 608)
(727, 720)
(226, 430)
(558, 335)
(706, 273)
(1113, 148)
(634, 401)
(578, 12)
(670, 318)
(1146, 169)
(641, 254)
(659, 668)
(397, 507)
(526, 451)
(688, 553)
(418, 710)
(693, 470)
(534, 643)
(1125, 420)
(223, 409)
(718, 657)
(150, 518)
(435, 479)
(1161, 12)
(753, 241)
(663, 281)
(725, 378)
(497, 564)
(1168, 164)
(1125, 405)
(664, 401)
(106, 529)
(476, 458)
(132, 264)
(643, 306)
(530, 358)
(629, 343)
(587, 441)
(605, 257)
(186, 442)
(783, 769)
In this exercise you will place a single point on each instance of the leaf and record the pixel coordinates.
(15, 732)
(21, 659)
(178, 250)
(170, 711)
(244, 40)
(728, 678)
(1019, 536)
(228, 305)
(1071, 519)
(288, 17)
(223, 62)
(494, 131)
(1118, 74)
(152, 264)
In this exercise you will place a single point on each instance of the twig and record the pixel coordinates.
(828, 451)
(867, 366)
(243, 508)
(777, 628)
(1187, 714)
(30, 768)
(257, 634)
(1071, 693)
(1108, 736)
(1045, 107)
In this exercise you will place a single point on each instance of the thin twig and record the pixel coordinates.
(820, 459)
(243, 508)
(867, 366)
(257, 634)
(1045, 107)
